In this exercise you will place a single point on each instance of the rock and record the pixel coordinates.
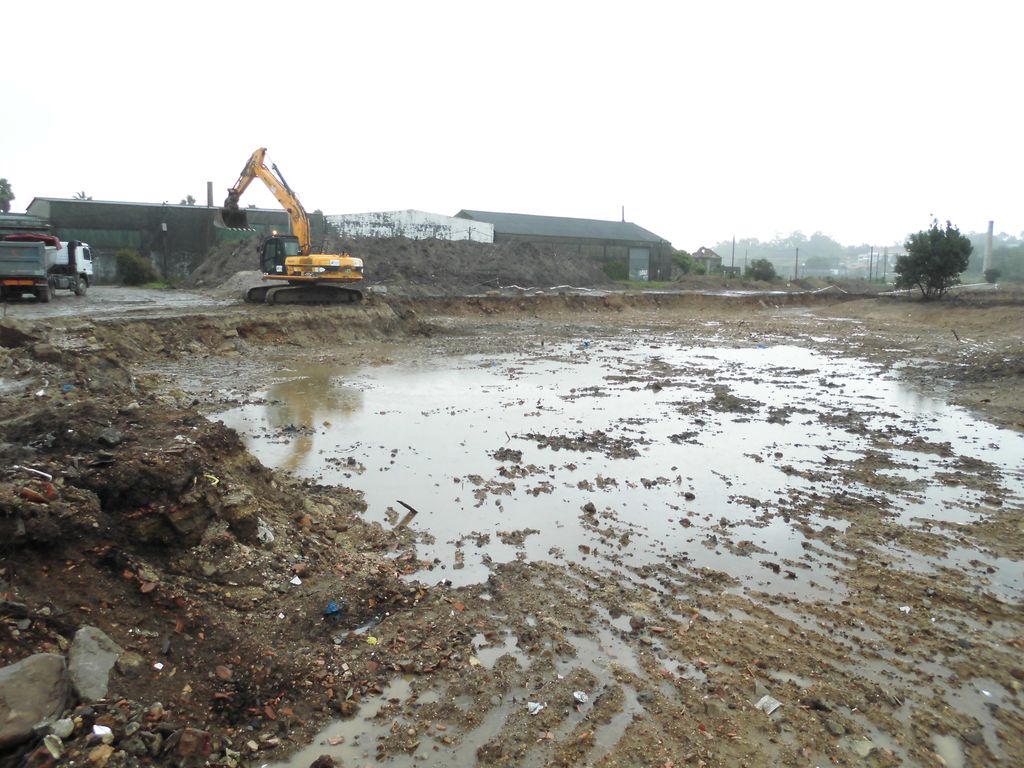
(92, 657)
(194, 745)
(134, 745)
(324, 761)
(974, 738)
(31, 691)
(63, 728)
(131, 664)
(109, 437)
(636, 623)
(154, 742)
(101, 755)
(834, 727)
(46, 353)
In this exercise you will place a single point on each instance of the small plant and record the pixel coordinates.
(993, 275)
(134, 269)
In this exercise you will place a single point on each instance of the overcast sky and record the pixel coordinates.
(705, 120)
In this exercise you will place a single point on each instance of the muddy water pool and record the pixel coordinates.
(690, 454)
(634, 457)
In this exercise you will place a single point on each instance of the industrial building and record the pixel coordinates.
(647, 256)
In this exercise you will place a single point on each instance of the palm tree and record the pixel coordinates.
(82, 196)
(6, 195)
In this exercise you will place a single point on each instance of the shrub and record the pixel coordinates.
(134, 269)
(992, 275)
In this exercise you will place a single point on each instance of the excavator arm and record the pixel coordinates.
(234, 216)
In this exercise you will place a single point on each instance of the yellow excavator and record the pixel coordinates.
(293, 273)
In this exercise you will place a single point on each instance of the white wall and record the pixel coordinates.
(416, 225)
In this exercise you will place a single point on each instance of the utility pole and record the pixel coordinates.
(744, 261)
(732, 263)
(796, 265)
(885, 263)
(871, 262)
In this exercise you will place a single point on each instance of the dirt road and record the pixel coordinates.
(650, 530)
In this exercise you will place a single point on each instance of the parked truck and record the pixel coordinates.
(41, 264)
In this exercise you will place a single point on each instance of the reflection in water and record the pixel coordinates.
(297, 407)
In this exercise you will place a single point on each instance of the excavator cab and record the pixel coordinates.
(275, 250)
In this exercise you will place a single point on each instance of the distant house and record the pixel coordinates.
(711, 261)
(644, 254)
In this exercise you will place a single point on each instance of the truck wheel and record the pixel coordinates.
(45, 294)
(81, 285)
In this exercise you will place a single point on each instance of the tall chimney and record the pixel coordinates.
(987, 263)
(209, 194)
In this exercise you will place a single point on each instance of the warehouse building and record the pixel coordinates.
(641, 254)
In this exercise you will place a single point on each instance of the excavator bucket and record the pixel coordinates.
(231, 218)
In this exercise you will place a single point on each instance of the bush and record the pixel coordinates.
(992, 275)
(134, 269)
(762, 269)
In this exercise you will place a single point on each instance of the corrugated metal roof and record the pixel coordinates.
(561, 226)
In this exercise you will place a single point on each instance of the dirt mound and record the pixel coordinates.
(223, 261)
(425, 267)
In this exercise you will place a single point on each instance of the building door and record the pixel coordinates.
(639, 263)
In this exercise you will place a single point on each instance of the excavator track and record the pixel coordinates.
(303, 294)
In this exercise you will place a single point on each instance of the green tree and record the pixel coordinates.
(6, 195)
(762, 269)
(189, 200)
(934, 261)
(81, 196)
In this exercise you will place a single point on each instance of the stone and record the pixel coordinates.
(834, 727)
(974, 738)
(194, 744)
(154, 742)
(63, 728)
(110, 437)
(32, 691)
(101, 755)
(46, 353)
(134, 745)
(92, 657)
(131, 664)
